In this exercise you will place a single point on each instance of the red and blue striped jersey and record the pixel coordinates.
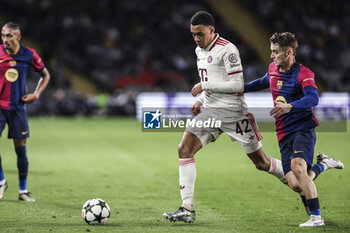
(13, 74)
(288, 88)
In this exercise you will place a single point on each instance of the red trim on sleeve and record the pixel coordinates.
(235, 72)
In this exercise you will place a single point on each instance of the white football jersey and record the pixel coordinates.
(220, 62)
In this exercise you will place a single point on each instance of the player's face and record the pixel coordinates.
(281, 56)
(10, 39)
(203, 35)
(278, 55)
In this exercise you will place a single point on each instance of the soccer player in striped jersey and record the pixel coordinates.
(294, 94)
(221, 87)
(15, 59)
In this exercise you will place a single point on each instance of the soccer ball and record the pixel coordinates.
(96, 211)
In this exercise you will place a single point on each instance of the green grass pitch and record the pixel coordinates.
(74, 159)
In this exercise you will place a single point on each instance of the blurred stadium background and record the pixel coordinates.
(102, 54)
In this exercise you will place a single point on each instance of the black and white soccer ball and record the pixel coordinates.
(96, 211)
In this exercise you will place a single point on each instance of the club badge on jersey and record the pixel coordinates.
(232, 58)
(279, 84)
(210, 59)
(12, 63)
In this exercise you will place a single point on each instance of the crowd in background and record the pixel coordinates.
(125, 47)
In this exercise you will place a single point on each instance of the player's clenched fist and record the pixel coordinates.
(29, 98)
(196, 108)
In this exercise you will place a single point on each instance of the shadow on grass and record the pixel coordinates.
(9, 200)
(31, 172)
(336, 225)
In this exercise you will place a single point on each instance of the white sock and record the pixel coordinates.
(277, 170)
(2, 182)
(187, 178)
(23, 191)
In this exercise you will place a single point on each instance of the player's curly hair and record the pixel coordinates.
(285, 39)
(202, 17)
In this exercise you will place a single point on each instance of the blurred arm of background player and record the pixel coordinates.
(44, 80)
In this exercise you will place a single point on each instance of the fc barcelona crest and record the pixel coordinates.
(12, 63)
(279, 84)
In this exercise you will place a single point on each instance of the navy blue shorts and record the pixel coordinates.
(299, 144)
(17, 123)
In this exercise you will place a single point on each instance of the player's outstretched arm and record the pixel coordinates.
(257, 85)
(44, 80)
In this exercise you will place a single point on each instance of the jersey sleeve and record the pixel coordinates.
(258, 84)
(234, 71)
(232, 60)
(201, 97)
(306, 78)
(37, 63)
(235, 85)
(309, 100)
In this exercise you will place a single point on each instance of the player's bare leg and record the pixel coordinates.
(188, 147)
(295, 186)
(269, 164)
(274, 166)
(299, 169)
(323, 164)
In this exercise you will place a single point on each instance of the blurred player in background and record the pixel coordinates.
(15, 59)
(221, 88)
(294, 94)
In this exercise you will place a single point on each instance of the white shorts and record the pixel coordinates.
(242, 129)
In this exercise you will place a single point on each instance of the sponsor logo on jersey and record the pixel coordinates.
(182, 187)
(210, 59)
(281, 99)
(279, 84)
(12, 63)
(234, 65)
(232, 58)
(152, 119)
(11, 75)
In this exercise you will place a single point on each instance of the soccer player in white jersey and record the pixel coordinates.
(221, 88)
